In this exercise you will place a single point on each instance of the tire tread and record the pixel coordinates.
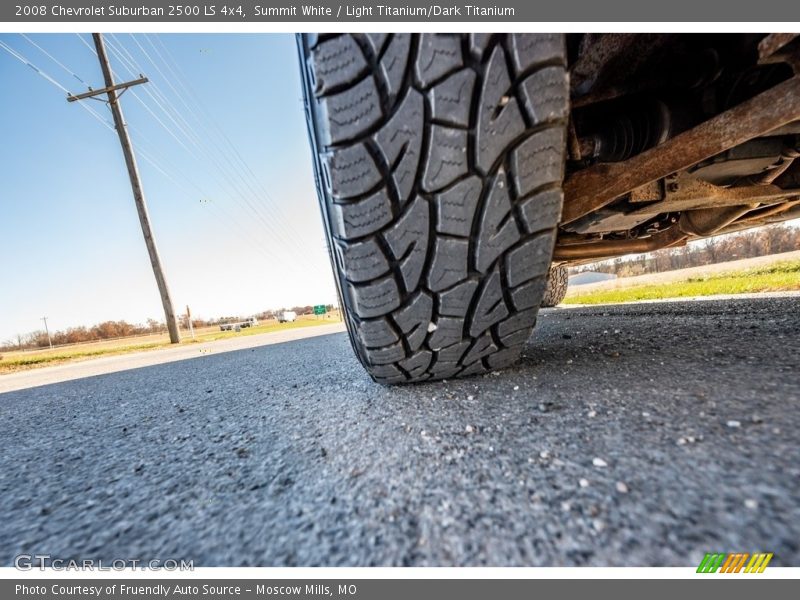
(441, 159)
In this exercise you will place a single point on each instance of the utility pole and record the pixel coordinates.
(110, 90)
(189, 320)
(47, 331)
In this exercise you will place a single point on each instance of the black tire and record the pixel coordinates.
(439, 163)
(556, 289)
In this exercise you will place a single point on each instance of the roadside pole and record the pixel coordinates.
(133, 173)
(47, 331)
(189, 320)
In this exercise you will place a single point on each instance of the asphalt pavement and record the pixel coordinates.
(644, 434)
(78, 369)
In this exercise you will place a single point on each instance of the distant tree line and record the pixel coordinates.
(734, 246)
(109, 330)
(106, 330)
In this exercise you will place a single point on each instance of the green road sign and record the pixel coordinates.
(320, 309)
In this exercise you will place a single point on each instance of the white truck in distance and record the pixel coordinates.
(287, 316)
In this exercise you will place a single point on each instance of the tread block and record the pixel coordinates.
(539, 160)
(415, 318)
(364, 259)
(523, 320)
(447, 157)
(529, 295)
(448, 332)
(456, 301)
(336, 62)
(499, 119)
(545, 95)
(376, 40)
(455, 207)
(480, 348)
(532, 49)
(478, 42)
(449, 265)
(408, 240)
(531, 259)
(444, 370)
(453, 353)
(504, 358)
(350, 113)
(416, 364)
(400, 141)
(438, 55)
(350, 171)
(491, 307)
(518, 337)
(357, 219)
(387, 371)
(385, 355)
(542, 211)
(377, 333)
(498, 228)
(393, 63)
(450, 100)
(475, 368)
(375, 299)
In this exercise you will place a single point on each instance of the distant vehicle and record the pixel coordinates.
(238, 326)
(287, 316)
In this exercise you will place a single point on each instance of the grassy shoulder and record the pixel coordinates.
(16, 361)
(778, 277)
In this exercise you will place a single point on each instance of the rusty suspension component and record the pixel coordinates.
(597, 186)
(610, 248)
(708, 221)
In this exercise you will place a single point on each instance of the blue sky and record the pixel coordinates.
(235, 213)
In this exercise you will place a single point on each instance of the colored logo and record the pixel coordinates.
(735, 562)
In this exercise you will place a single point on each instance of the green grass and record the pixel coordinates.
(16, 361)
(778, 277)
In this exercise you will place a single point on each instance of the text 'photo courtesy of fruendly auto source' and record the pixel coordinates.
(282, 310)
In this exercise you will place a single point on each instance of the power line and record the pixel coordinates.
(159, 160)
(193, 137)
(51, 80)
(208, 118)
(187, 131)
(87, 44)
(156, 162)
(25, 61)
(54, 59)
(190, 92)
(146, 155)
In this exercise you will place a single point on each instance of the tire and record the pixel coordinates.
(556, 289)
(439, 162)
